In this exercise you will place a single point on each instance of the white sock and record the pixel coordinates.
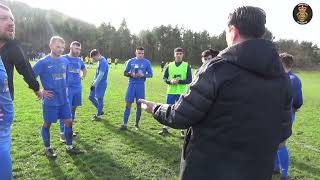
(69, 147)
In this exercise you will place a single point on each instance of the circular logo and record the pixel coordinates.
(302, 13)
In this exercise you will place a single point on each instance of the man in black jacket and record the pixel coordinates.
(237, 109)
(12, 54)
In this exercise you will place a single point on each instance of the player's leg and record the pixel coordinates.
(71, 97)
(94, 101)
(65, 114)
(92, 98)
(283, 156)
(100, 106)
(129, 100)
(50, 115)
(139, 94)
(76, 101)
(170, 100)
(5, 159)
(175, 99)
(276, 166)
(100, 92)
(62, 138)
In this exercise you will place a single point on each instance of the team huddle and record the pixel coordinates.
(188, 102)
(61, 76)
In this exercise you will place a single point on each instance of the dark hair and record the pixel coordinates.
(249, 20)
(178, 49)
(209, 52)
(4, 7)
(286, 59)
(140, 48)
(94, 52)
(75, 43)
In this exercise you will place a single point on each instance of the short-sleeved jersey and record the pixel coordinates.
(73, 71)
(53, 74)
(135, 65)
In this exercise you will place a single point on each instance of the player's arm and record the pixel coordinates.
(166, 75)
(102, 70)
(83, 70)
(189, 77)
(23, 67)
(149, 73)
(192, 107)
(297, 98)
(37, 70)
(127, 69)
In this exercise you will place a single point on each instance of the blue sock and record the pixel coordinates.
(126, 115)
(45, 133)
(138, 114)
(68, 135)
(283, 156)
(100, 106)
(61, 126)
(276, 163)
(93, 101)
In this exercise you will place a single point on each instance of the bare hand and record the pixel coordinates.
(39, 94)
(44, 94)
(47, 94)
(140, 74)
(134, 75)
(147, 105)
(174, 81)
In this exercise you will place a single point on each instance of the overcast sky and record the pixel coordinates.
(197, 15)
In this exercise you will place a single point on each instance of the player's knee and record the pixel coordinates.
(46, 125)
(282, 144)
(68, 122)
(138, 106)
(128, 105)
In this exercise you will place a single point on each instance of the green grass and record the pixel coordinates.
(134, 154)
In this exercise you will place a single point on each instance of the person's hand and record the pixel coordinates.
(81, 77)
(38, 94)
(45, 94)
(140, 74)
(92, 88)
(134, 75)
(296, 110)
(1, 115)
(174, 81)
(147, 105)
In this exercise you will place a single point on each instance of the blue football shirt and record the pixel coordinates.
(52, 74)
(6, 104)
(135, 65)
(73, 71)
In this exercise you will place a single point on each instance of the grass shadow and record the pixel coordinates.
(309, 169)
(153, 145)
(96, 164)
(56, 170)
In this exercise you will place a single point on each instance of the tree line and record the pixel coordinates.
(35, 26)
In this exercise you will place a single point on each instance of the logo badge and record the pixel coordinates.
(302, 13)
